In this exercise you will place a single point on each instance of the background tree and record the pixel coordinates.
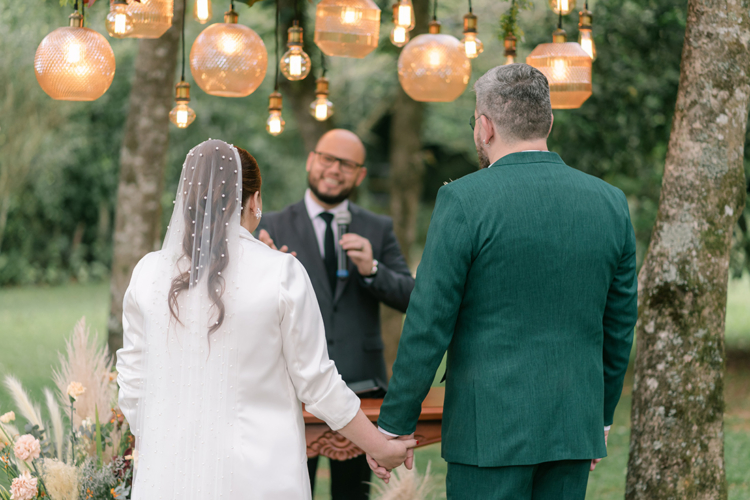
(677, 441)
(143, 160)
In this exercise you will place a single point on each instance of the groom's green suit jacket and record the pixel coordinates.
(528, 280)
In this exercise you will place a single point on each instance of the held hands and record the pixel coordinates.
(595, 461)
(396, 451)
(359, 250)
(264, 237)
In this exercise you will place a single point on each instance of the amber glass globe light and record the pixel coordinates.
(275, 123)
(433, 67)
(228, 59)
(202, 11)
(473, 46)
(151, 18)
(564, 6)
(295, 63)
(119, 21)
(584, 33)
(182, 115)
(321, 108)
(74, 63)
(567, 68)
(347, 28)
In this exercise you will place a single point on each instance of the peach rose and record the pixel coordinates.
(75, 389)
(23, 487)
(27, 448)
(8, 417)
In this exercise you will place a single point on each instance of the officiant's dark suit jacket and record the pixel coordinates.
(351, 313)
(528, 279)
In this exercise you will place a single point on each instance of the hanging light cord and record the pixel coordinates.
(559, 21)
(470, 11)
(434, 12)
(323, 63)
(184, 13)
(276, 88)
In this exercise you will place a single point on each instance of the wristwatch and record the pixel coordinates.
(374, 269)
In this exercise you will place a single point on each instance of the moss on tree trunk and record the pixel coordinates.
(677, 441)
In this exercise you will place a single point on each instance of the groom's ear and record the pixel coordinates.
(487, 132)
(551, 122)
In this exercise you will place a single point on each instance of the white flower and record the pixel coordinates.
(8, 417)
(75, 389)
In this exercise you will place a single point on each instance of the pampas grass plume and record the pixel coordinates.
(406, 484)
(29, 410)
(90, 365)
(61, 479)
(56, 420)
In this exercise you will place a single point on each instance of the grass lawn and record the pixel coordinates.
(35, 321)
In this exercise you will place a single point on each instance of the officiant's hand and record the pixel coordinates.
(264, 237)
(597, 460)
(359, 250)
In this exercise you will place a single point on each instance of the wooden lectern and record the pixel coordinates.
(321, 440)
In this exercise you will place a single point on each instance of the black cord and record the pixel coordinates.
(83, 11)
(323, 63)
(231, 5)
(559, 21)
(184, 13)
(434, 12)
(470, 11)
(278, 10)
(296, 10)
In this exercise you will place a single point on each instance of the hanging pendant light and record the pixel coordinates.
(563, 7)
(567, 68)
(510, 49)
(400, 32)
(473, 46)
(295, 63)
(182, 115)
(585, 39)
(119, 21)
(228, 59)
(74, 63)
(321, 108)
(275, 123)
(403, 14)
(399, 36)
(347, 28)
(433, 67)
(151, 18)
(203, 11)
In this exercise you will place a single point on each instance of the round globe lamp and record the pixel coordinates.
(433, 67)
(151, 18)
(347, 28)
(228, 59)
(567, 68)
(74, 63)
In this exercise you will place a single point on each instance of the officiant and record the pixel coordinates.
(374, 272)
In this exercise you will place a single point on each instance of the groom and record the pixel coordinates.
(528, 280)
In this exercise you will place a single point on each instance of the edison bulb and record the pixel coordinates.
(119, 21)
(350, 15)
(473, 46)
(509, 59)
(405, 15)
(435, 58)
(182, 115)
(73, 53)
(399, 36)
(559, 69)
(202, 11)
(566, 6)
(275, 123)
(295, 64)
(321, 108)
(587, 43)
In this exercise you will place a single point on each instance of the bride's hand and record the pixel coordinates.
(392, 453)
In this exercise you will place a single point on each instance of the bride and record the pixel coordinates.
(222, 340)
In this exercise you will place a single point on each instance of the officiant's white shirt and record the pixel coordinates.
(269, 355)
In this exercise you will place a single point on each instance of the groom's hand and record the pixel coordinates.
(595, 461)
(382, 472)
(264, 237)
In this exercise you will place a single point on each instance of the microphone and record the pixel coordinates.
(343, 219)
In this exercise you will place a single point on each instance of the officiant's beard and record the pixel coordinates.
(327, 198)
(484, 160)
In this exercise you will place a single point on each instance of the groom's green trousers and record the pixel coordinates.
(560, 480)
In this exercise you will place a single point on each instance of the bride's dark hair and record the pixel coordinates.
(223, 206)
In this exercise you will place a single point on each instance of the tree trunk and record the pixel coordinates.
(677, 441)
(142, 164)
(406, 173)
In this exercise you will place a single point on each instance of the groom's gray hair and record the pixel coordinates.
(515, 97)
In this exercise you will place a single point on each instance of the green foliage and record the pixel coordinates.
(509, 21)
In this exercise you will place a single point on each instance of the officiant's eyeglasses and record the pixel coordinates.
(347, 166)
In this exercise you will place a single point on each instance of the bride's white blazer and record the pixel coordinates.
(220, 416)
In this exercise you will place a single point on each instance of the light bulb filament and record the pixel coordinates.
(434, 58)
(471, 48)
(295, 64)
(399, 34)
(74, 53)
(202, 9)
(274, 125)
(563, 5)
(559, 69)
(404, 15)
(321, 110)
(350, 15)
(120, 20)
(182, 117)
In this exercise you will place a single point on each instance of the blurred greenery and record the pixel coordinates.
(63, 158)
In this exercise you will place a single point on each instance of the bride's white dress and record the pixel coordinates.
(226, 421)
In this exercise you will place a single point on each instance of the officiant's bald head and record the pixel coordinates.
(336, 167)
